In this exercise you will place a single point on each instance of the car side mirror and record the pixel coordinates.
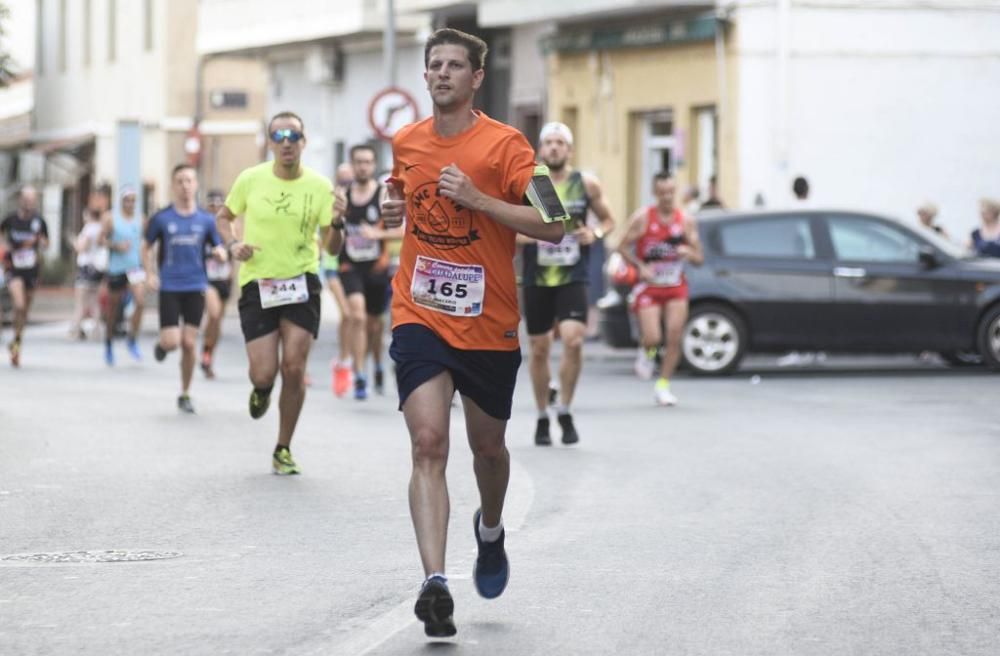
(928, 257)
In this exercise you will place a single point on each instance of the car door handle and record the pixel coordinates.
(849, 272)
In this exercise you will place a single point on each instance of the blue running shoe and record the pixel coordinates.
(133, 350)
(109, 354)
(360, 387)
(492, 569)
(435, 608)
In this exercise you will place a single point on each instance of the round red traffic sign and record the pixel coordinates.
(391, 109)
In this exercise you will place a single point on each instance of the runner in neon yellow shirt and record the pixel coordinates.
(283, 203)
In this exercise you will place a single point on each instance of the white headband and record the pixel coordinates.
(556, 129)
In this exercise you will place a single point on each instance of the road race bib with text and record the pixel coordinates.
(275, 292)
(454, 289)
(217, 270)
(565, 253)
(24, 258)
(135, 276)
(361, 249)
(667, 273)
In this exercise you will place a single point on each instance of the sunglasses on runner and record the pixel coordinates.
(293, 136)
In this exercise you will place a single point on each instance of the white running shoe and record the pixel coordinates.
(644, 365)
(664, 397)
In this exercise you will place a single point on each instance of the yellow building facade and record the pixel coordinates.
(650, 100)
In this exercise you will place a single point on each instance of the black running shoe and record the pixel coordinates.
(542, 437)
(569, 434)
(435, 608)
(379, 382)
(259, 403)
(184, 404)
(553, 393)
(492, 569)
(159, 353)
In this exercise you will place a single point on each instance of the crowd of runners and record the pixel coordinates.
(433, 247)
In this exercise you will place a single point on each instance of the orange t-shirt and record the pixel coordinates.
(456, 266)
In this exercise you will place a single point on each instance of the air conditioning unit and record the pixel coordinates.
(324, 65)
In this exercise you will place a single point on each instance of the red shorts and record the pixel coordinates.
(647, 295)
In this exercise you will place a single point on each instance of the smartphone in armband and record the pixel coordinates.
(541, 194)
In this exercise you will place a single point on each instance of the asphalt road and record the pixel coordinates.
(830, 510)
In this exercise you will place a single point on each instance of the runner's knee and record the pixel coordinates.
(292, 371)
(429, 445)
(491, 447)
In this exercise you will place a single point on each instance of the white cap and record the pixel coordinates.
(555, 128)
(126, 190)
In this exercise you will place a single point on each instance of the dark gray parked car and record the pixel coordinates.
(834, 281)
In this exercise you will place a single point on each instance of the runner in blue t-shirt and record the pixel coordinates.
(181, 232)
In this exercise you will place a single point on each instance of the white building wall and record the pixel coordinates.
(527, 75)
(884, 107)
(89, 99)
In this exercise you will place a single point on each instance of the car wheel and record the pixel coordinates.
(962, 358)
(989, 337)
(714, 340)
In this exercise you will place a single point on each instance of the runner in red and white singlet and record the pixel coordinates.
(660, 239)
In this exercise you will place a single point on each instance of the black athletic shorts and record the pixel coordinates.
(363, 279)
(224, 287)
(88, 277)
(486, 377)
(543, 306)
(257, 322)
(29, 276)
(175, 306)
(117, 281)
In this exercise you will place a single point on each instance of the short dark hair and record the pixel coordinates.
(215, 193)
(800, 187)
(287, 114)
(473, 45)
(661, 176)
(180, 167)
(362, 146)
(103, 189)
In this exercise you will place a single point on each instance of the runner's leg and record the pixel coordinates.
(650, 325)
(539, 368)
(213, 320)
(337, 290)
(572, 333)
(189, 342)
(676, 312)
(138, 305)
(262, 354)
(356, 330)
(295, 344)
(19, 298)
(491, 460)
(427, 412)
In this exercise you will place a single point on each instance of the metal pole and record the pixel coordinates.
(389, 53)
(389, 60)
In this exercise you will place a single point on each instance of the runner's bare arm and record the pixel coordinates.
(636, 226)
(692, 249)
(331, 239)
(236, 249)
(525, 219)
(147, 253)
(599, 205)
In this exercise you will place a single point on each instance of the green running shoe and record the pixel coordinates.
(259, 403)
(282, 462)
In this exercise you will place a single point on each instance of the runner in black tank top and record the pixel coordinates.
(364, 269)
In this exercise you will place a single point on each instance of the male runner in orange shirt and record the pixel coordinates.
(461, 179)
